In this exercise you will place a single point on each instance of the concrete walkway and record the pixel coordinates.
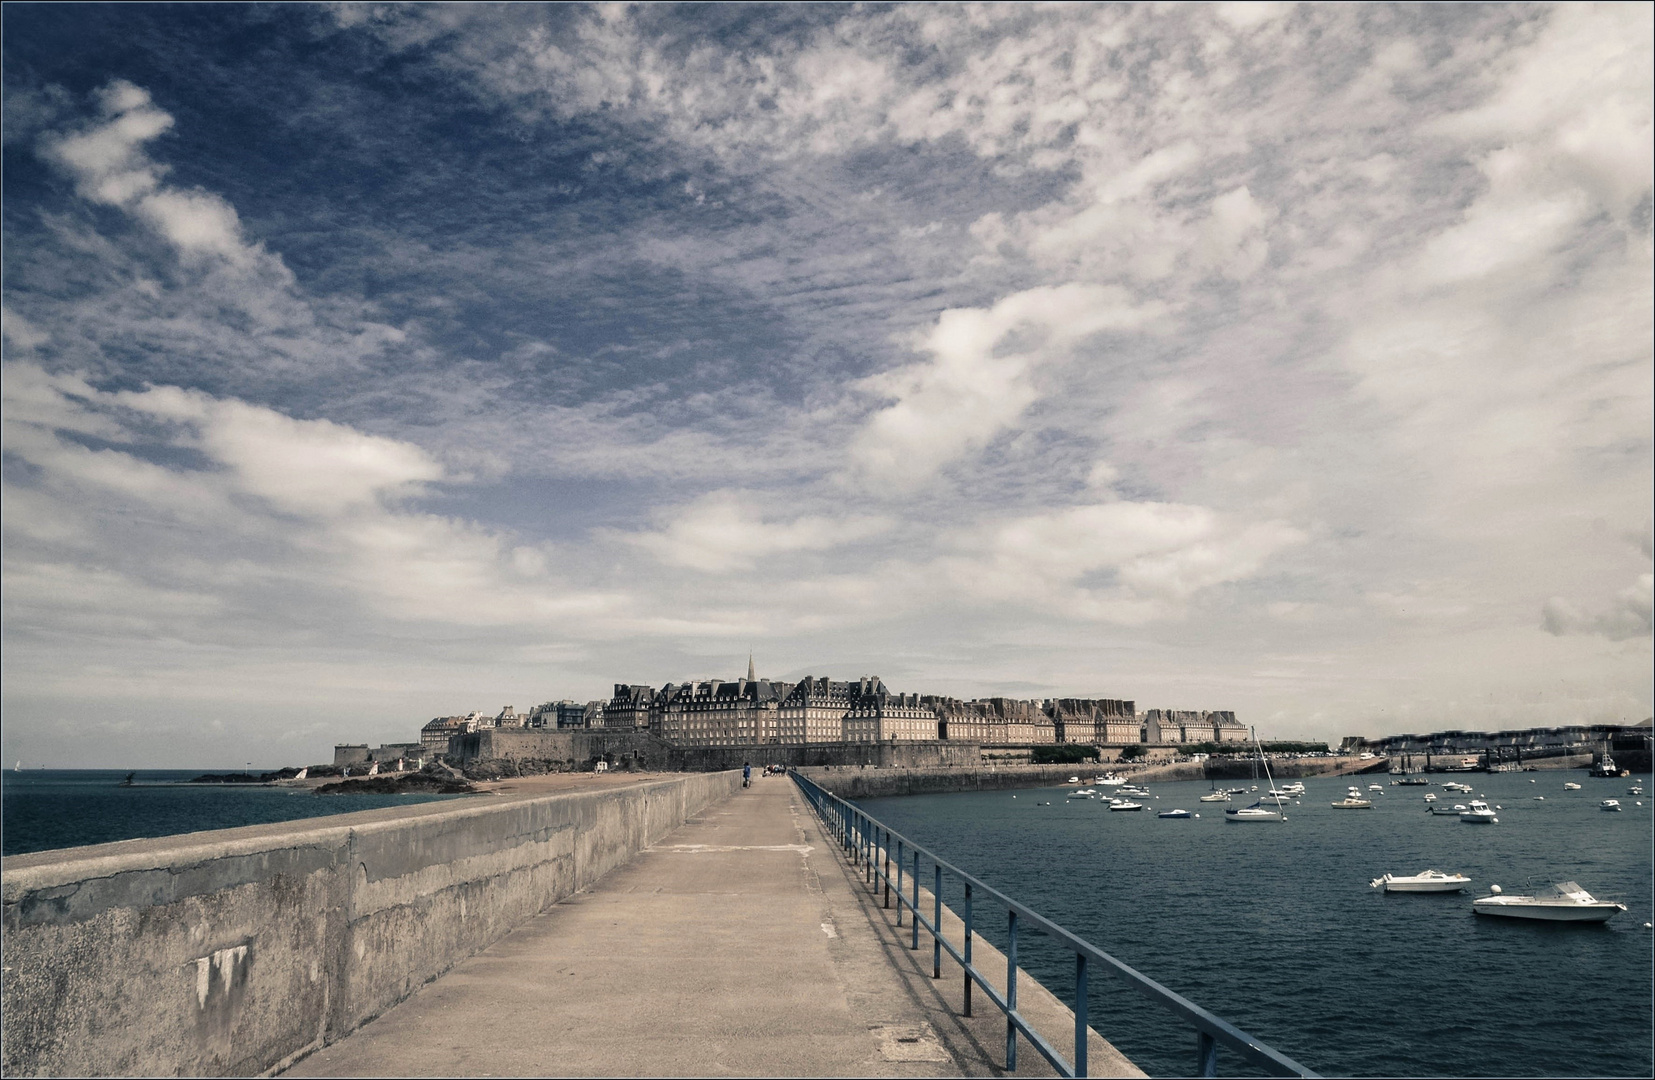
(739, 945)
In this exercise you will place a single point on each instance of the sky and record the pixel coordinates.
(365, 364)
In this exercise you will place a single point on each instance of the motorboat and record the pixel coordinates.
(1411, 781)
(1111, 780)
(1083, 793)
(1571, 786)
(1353, 800)
(1217, 796)
(1124, 804)
(1634, 790)
(1432, 881)
(1242, 790)
(1178, 815)
(1449, 811)
(1463, 789)
(1255, 812)
(1375, 787)
(1563, 902)
(1134, 790)
(1430, 796)
(1612, 805)
(1479, 814)
(1074, 779)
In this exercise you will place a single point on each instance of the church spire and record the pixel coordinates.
(750, 676)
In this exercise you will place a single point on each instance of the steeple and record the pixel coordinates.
(750, 676)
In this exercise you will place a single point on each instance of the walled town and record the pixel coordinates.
(817, 710)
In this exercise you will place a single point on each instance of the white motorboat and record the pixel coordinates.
(1217, 796)
(1634, 790)
(1375, 787)
(1111, 780)
(1432, 881)
(1353, 800)
(1430, 796)
(1134, 790)
(1479, 814)
(1612, 805)
(1083, 793)
(1563, 902)
(1256, 812)
(1124, 804)
(1571, 786)
(1175, 814)
(1456, 786)
(1074, 779)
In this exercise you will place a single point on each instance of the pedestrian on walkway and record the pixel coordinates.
(746, 774)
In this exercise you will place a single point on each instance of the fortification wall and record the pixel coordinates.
(651, 752)
(860, 783)
(233, 953)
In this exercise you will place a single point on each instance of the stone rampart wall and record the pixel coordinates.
(234, 953)
(651, 752)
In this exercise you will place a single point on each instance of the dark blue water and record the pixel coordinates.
(57, 808)
(1274, 926)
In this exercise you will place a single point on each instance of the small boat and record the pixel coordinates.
(1433, 881)
(1612, 805)
(1539, 798)
(1375, 787)
(1111, 780)
(1239, 790)
(1124, 804)
(1412, 781)
(1083, 793)
(1217, 796)
(1449, 811)
(1134, 789)
(1430, 796)
(1176, 814)
(1074, 779)
(1353, 800)
(1571, 786)
(1563, 902)
(1255, 812)
(1634, 790)
(1479, 814)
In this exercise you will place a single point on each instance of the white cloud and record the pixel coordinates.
(1125, 562)
(1628, 617)
(971, 389)
(725, 531)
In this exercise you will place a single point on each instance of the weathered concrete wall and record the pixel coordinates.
(235, 952)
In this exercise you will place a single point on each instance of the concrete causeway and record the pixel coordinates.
(740, 944)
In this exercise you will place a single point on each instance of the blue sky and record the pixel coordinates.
(366, 364)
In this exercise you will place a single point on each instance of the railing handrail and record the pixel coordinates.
(1210, 1027)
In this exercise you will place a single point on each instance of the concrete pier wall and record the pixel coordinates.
(236, 952)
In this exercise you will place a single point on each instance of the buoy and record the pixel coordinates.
(1495, 889)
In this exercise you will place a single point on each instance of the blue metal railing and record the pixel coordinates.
(875, 846)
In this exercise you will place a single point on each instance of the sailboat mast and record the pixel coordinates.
(1267, 777)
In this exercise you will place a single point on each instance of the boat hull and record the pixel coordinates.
(1426, 886)
(1569, 913)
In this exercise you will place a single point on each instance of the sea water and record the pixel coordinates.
(1274, 926)
(59, 808)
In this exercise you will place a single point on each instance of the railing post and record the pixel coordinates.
(968, 948)
(1206, 1054)
(936, 924)
(915, 945)
(887, 874)
(899, 882)
(1011, 989)
(1080, 1014)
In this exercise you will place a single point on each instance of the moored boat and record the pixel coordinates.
(1353, 800)
(1479, 813)
(1124, 804)
(1177, 815)
(1612, 805)
(1255, 812)
(1217, 796)
(1563, 902)
(1431, 881)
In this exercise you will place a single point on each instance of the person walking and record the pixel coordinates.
(746, 774)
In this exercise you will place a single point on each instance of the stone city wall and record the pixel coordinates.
(234, 953)
(647, 751)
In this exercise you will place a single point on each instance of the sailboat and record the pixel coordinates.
(1213, 794)
(1257, 811)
